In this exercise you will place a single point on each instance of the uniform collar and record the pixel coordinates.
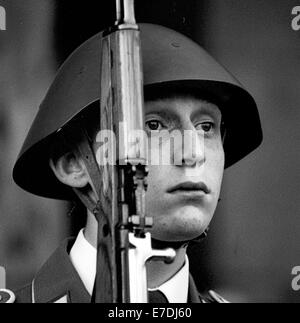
(83, 257)
(58, 279)
(176, 288)
(193, 294)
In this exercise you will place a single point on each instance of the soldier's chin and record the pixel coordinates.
(178, 236)
(181, 224)
(181, 232)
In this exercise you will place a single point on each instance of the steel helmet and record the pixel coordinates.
(169, 59)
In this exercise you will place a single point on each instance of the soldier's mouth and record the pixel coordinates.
(190, 188)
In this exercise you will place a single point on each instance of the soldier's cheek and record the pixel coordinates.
(181, 223)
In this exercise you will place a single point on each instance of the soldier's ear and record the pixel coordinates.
(70, 170)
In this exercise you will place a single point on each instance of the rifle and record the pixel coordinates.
(124, 243)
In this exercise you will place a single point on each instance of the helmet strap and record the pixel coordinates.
(79, 139)
(158, 244)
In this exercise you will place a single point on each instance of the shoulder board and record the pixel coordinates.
(7, 296)
(217, 298)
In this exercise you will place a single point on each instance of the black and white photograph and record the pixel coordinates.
(150, 154)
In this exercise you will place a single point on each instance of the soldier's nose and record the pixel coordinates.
(193, 148)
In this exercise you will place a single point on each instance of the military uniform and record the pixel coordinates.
(170, 60)
(59, 282)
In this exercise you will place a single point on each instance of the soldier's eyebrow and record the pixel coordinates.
(165, 114)
(163, 109)
(207, 109)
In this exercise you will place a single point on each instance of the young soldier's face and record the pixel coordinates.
(182, 197)
(184, 179)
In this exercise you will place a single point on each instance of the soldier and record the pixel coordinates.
(185, 89)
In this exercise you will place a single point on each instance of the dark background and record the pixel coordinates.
(253, 243)
(75, 24)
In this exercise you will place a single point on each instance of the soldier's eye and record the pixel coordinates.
(205, 126)
(154, 125)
